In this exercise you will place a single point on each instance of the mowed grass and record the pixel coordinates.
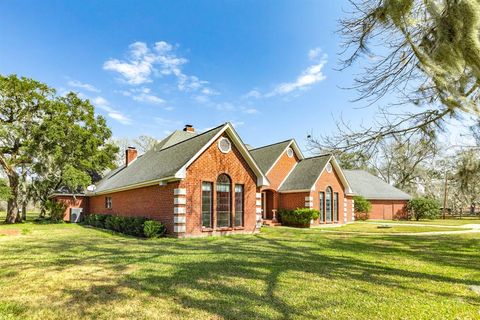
(392, 228)
(446, 222)
(67, 271)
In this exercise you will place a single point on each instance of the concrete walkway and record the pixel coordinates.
(465, 226)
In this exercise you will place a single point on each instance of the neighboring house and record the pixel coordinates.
(387, 201)
(212, 183)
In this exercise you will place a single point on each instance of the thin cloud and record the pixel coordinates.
(103, 104)
(81, 85)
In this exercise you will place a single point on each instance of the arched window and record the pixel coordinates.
(224, 200)
(328, 204)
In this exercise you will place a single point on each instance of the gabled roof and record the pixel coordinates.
(267, 156)
(164, 163)
(305, 174)
(174, 138)
(373, 188)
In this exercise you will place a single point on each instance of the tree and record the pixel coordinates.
(423, 208)
(468, 177)
(362, 208)
(426, 52)
(4, 190)
(48, 141)
(143, 143)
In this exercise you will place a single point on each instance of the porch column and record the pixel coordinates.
(258, 209)
(179, 211)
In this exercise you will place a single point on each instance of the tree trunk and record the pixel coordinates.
(24, 211)
(12, 205)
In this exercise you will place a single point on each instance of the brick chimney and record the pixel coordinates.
(130, 155)
(189, 128)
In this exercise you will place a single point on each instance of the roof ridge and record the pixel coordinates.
(319, 156)
(195, 136)
(272, 144)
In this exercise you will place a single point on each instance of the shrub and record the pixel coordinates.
(134, 226)
(56, 210)
(423, 208)
(298, 218)
(153, 229)
(362, 208)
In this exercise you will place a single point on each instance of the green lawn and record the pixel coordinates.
(67, 271)
(377, 228)
(446, 222)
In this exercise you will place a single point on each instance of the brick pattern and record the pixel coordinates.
(70, 202)
(179, 211)
(154, 202)
(258, 209)
(388, 209)
(281, 169)
(292, 201)
(208, 167)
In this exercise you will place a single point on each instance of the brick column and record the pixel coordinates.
(345, 213)
(309, 202)
(353, 210)
(258, 209)
(179, 211)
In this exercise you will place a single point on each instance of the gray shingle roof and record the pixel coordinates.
(371, 187)
(160, 162)
(305, 174)
(174, 138)
(266, 156)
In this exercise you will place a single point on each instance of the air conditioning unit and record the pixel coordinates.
(75, 214)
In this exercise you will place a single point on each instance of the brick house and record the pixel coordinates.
(211, 183)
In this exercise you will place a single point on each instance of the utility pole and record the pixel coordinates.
(445, 195)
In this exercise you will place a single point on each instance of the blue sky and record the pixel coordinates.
(150, 67)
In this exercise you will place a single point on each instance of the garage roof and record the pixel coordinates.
(372, 187)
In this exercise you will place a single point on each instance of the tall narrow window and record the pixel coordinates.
(224, 198)
(108, 202)
(322, 206)
(239, 205)
(328, 205)
(207, 204)
(335, 206)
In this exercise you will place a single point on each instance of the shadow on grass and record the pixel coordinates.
(216, 275)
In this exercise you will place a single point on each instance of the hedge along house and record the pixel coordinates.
(388, 202)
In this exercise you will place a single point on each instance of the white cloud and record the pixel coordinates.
(237, 124)
(252, 94)
(142, 95)
(85, 86)
(103, 104)
(142, 63)
(314, 54)
(250, 111)
(306, 79)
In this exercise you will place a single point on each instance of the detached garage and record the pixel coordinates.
(387, 201)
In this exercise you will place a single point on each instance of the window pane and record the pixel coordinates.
(322, 206)
(223, 201)
(328, 205)
(207, 204)
(335, 206)
(238, 205)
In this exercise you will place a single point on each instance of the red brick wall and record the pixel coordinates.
(70, 202)
(387, 209)
(292, 201)
(208, 167)
(330, 180)
(154, 202)
(280, 170)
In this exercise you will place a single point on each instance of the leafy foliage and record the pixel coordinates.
(56, 210)
(299, 218)
(134, 226)
(4, 190)
(423, 208)
(362, 208)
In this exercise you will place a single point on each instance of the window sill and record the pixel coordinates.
(239, 228)
(207, 229)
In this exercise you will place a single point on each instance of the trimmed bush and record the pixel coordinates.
(56, 210)
(423, 208)
(153, 229)
(362, 208)
(134, 226)
(298, 218)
